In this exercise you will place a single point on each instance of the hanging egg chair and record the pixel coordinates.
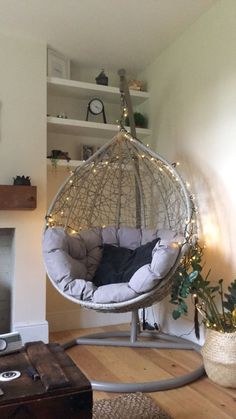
(125, 196)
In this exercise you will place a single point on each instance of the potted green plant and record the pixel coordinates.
(139, 119)
(218, 312)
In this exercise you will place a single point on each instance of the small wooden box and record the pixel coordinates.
(60, 392)
(18, 197)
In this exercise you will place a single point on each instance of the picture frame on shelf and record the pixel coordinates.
(87, 151)
(58, 65)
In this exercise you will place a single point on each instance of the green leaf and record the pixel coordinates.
(196, 267)
(176, 314)
(193, 276)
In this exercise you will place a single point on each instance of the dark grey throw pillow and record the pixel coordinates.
(118, 264)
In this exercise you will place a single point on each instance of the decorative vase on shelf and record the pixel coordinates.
(219, 357)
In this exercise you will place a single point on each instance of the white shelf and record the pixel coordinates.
(83, 90)
(87, 128)
(63, 162)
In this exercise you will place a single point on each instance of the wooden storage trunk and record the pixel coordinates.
(60, 391)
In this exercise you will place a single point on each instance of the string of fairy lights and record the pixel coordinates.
(55, 216)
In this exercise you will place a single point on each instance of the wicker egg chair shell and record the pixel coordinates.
(124, 183)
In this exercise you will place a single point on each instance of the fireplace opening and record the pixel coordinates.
(6, 277)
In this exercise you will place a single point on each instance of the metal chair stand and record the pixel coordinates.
(157, 341)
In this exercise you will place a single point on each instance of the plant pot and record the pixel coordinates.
(219, 357)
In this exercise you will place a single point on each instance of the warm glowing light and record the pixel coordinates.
(210, 231)
(174, 245)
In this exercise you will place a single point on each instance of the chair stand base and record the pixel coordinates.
(157, 341)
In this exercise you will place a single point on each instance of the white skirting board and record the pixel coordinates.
(183, 327)
(31, 332)
(83, 318)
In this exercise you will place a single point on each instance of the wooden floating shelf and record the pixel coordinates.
(18, 197)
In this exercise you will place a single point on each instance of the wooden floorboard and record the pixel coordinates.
(199, 400)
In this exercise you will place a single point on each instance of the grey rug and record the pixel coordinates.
(129, 406)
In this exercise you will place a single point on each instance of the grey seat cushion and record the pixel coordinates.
(71, 257)
(71, 261)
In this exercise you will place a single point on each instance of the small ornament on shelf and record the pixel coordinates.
(87, 151)
(102, 78)
(96, 107)
(62, 115)
(136, 85)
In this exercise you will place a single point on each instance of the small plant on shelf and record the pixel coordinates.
(139, 119)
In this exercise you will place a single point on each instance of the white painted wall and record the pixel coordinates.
(63, 314)
(193, 104)
(22, 151)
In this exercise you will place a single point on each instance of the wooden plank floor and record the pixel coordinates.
(201, 399)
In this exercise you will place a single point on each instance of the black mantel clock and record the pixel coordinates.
(96, 107)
